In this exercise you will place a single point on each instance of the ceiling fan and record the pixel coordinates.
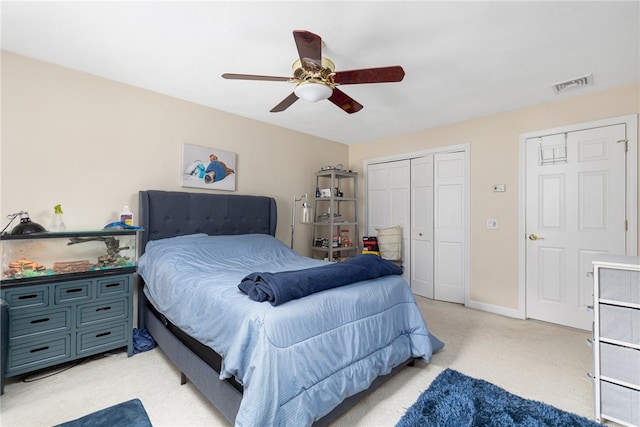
(316, 79)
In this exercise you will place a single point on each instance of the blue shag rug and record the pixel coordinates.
(456, 400)
(126, 414)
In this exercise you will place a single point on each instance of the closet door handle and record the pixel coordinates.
(535, 237)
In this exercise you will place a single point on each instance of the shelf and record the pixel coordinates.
(337, 199)
(334, 249)
(337, 173)
(345, 223)
(64, 234)
(340, 210)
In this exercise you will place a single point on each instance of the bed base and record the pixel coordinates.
(225, 395)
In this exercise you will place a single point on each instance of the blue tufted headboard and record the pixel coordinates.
(173, 213)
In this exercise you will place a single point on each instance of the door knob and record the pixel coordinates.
(535, 237)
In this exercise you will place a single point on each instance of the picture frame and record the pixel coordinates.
(208, 168)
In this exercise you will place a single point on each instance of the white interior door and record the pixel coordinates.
(575, 210)
(450, 223)
(422, 226)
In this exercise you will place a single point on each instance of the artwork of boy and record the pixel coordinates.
(216, 170)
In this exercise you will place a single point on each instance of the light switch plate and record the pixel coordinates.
(493, 224)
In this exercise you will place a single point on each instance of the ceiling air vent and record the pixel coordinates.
(574, 83)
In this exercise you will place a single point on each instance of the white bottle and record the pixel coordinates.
(126, 216)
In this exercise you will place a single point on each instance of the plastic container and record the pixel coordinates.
(126, 216)
(58, 222)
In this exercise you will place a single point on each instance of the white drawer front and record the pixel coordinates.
(620, 323)
(620, 285)
(620, 402)
(620, 363)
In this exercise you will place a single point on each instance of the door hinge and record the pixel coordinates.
(626, 144)
(626, 225)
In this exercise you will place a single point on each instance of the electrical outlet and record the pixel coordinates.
(492, 224)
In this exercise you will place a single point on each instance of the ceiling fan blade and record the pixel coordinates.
(254, 77)
(285, 103)
(370, 75)
(344, 101)
(309, 49)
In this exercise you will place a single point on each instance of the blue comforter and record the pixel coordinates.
(296, 361)
(278, 288)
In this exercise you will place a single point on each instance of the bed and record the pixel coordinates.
(300, 363)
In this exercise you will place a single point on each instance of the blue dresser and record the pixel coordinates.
(60, 311)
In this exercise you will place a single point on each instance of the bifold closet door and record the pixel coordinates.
(438, 221)
(422, 226)
(388, 202)
(449, 226)
(428, 196)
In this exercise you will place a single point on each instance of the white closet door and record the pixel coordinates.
(377, 197)
(450, 222)
(428, 196)
(388, 200)
(422, 226)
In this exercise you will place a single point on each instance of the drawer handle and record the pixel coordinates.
(35, 350)
(103, 308)
(69, 291)
(40, 320)
(28, 296)
(103, 334)
(111, 285)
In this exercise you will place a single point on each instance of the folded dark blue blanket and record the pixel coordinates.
(278, 288)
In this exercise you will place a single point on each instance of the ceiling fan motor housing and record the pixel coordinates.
(323, 75)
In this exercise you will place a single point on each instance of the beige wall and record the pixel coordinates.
(494, 160)
(90, 144)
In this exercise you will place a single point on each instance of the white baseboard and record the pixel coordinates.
(496, 309)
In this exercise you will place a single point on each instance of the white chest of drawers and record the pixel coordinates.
(617, 339)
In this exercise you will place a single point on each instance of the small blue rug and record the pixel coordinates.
(126, 414)
(456, 400)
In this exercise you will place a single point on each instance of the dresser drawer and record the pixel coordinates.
(42, 353)
(117, 285)
(106, 337)
(620, 323)
(75, 291)
(55, 320)
(620, 402)
(620, 285)
(100, 311)
(620, 363)
(27, 297)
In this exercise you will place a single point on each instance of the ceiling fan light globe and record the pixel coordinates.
(313, 92)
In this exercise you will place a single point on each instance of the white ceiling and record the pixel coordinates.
(462, 60)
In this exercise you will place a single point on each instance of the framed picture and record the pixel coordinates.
(209, 168)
